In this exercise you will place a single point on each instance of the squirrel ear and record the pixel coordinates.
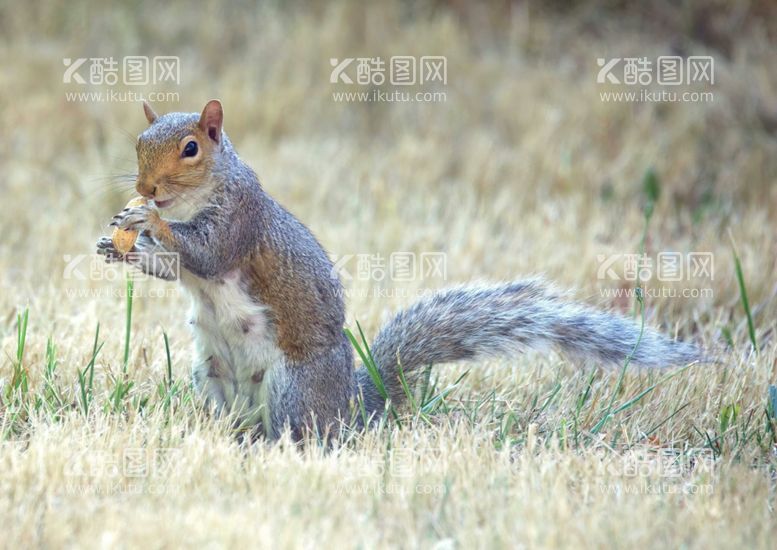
(212, 119)
(150, 114)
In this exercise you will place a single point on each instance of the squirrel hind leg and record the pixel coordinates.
(311, 398)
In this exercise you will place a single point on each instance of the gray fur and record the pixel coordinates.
(475, 322)
(237, 231)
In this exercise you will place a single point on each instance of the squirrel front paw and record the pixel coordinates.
(105, 247)
(145, 219)
(137, 218)
(147, 255)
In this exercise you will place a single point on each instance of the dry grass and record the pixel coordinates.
(522, 170)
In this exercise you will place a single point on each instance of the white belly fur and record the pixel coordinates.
(236, 331)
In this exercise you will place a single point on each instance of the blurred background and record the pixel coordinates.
(519, 167)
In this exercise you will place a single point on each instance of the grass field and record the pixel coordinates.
(523, 169)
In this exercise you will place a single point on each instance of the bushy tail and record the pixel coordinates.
(468, 323)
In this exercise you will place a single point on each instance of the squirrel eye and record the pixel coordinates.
(190, 150)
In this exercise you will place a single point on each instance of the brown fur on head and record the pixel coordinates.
(176, 157)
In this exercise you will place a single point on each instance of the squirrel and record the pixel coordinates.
(267, 309)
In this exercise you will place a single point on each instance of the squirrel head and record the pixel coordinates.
(177, 156)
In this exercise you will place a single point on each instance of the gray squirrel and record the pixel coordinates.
(267, 312)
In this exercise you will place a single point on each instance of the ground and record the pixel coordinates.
(522, 168)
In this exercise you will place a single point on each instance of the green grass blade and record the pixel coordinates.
(372, 368)
(169, 361)
(95, 350)
(406, 387)
(21, 334)
(438, 399)
(646, 391)
(86, 377)
(608, 411)
(743, 294)
(369, 365)
(128, 330)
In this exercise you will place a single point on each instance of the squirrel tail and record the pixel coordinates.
(472, 322)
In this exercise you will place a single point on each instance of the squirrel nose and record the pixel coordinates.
(148, 191)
